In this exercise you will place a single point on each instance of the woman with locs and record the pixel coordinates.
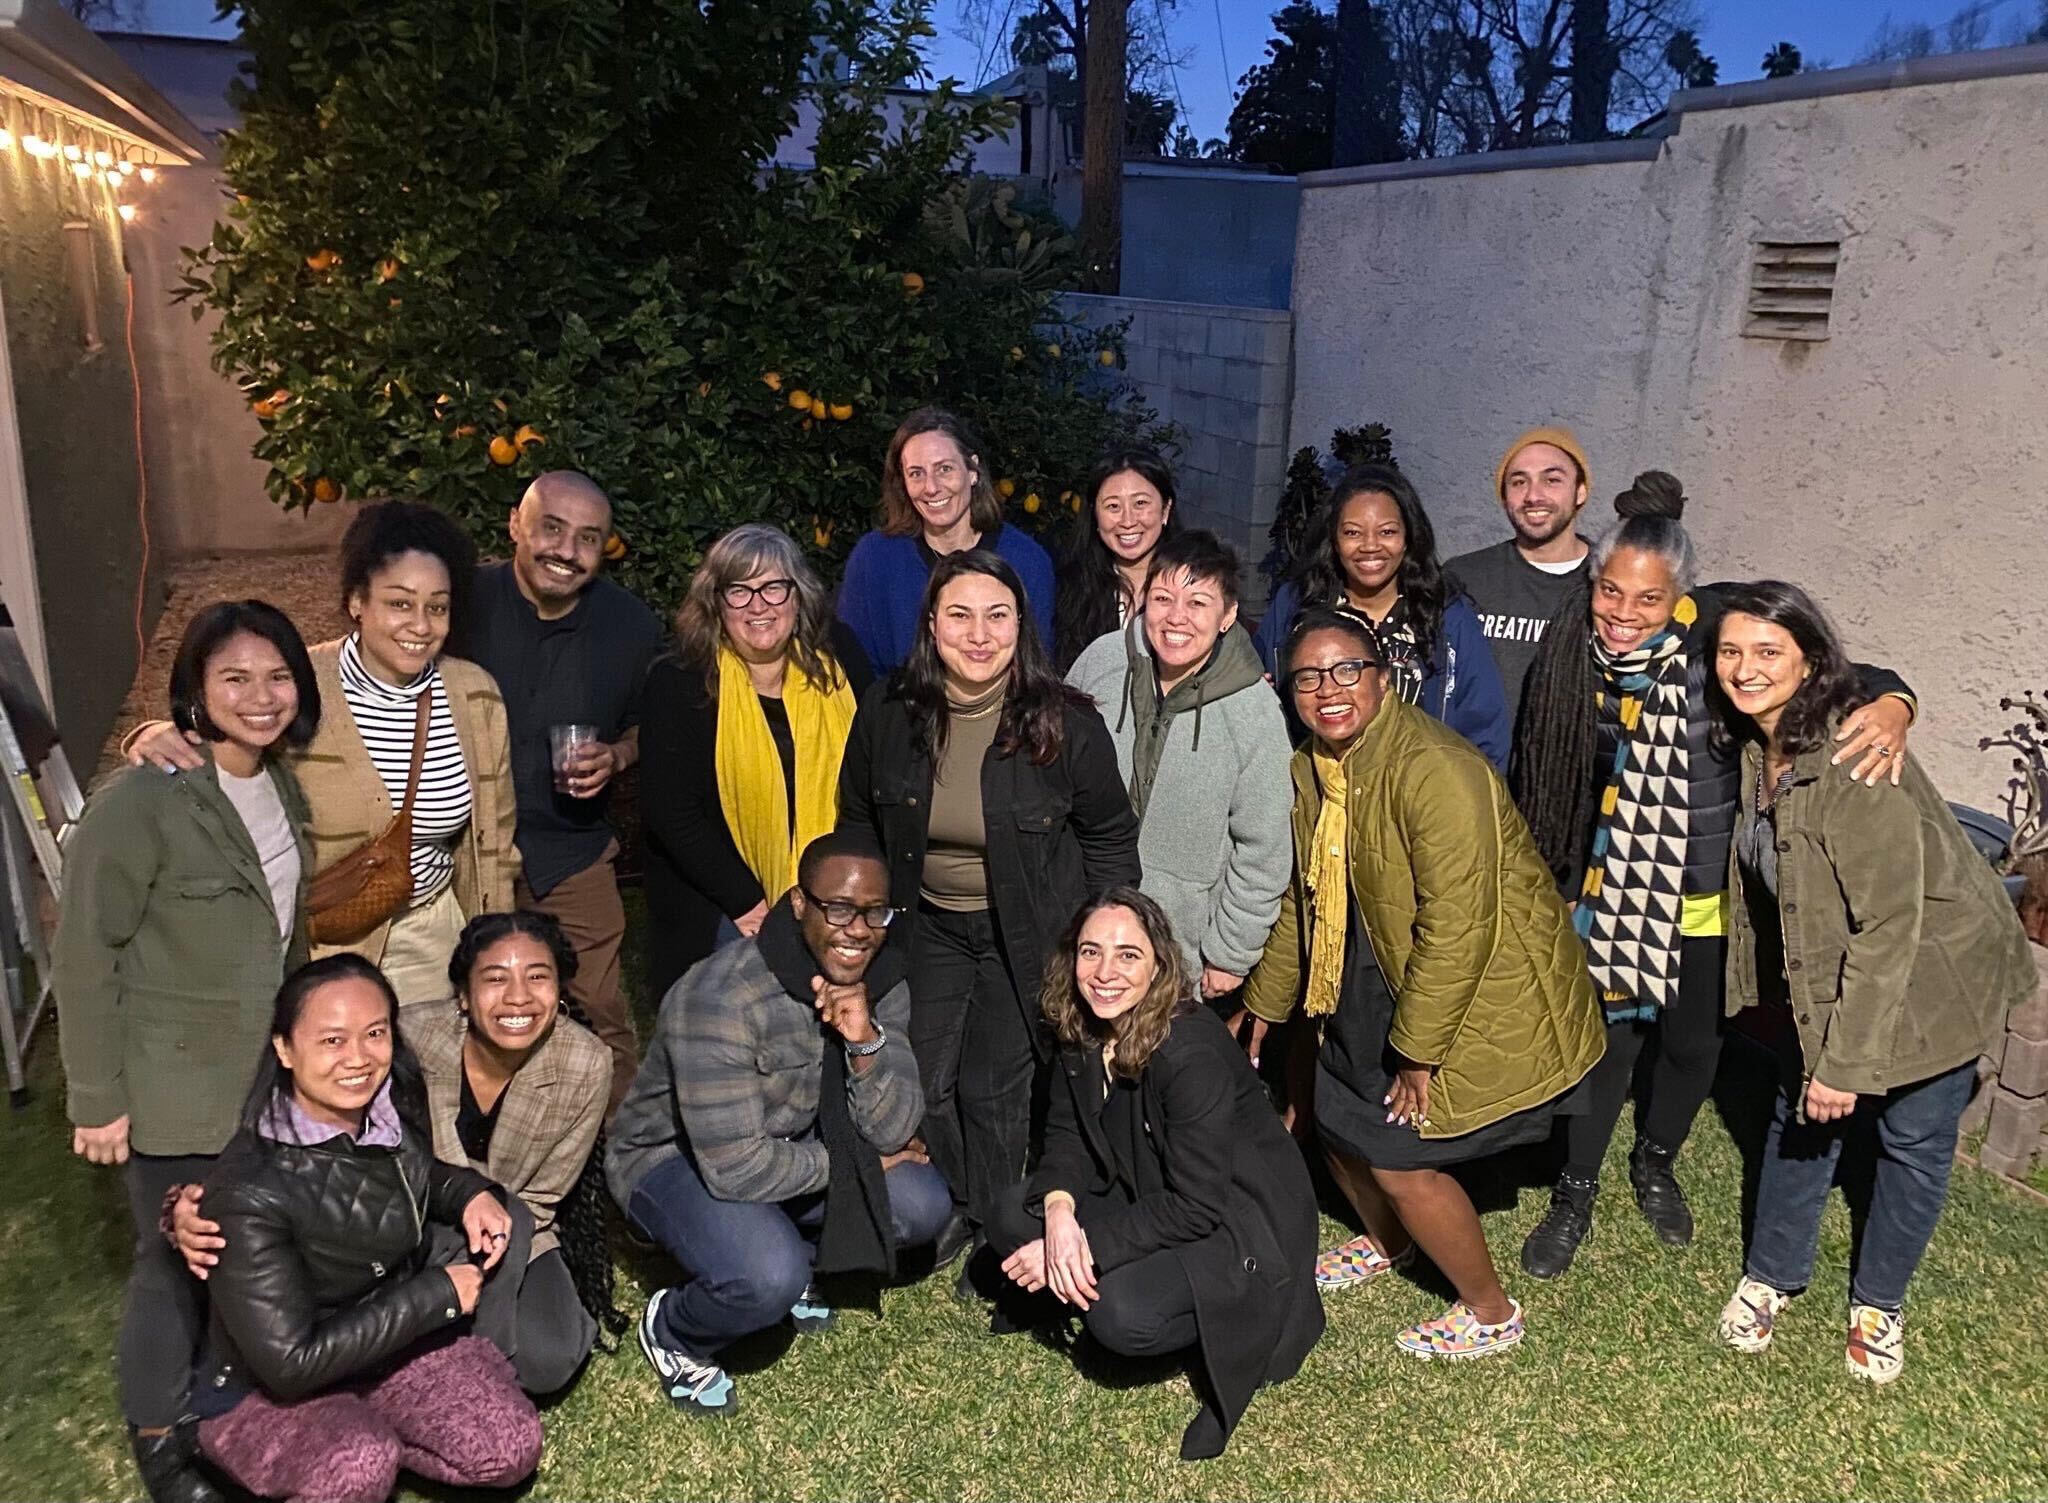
(993, 790)
(1631, 803)
(183, 911)
(1424, 939)
(1126, 514)
(1884, 949)
(1168, 1206)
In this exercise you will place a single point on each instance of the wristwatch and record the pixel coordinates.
(872, 1046)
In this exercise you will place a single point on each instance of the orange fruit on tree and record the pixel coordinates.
(821, 533)
(818, 408)
(324, 259)
(841, 411)
(528, 436)
(1032, 503)
(503, 450)
(772, 380)
(1053, 350)
(326, 488)
(1006, 487)
(703, 388)
(1016, 354)
(1105, 357)
(799, 400)
(1073, 501)
(913, 284)
(465, 430)
(615, 547)
(387, 269)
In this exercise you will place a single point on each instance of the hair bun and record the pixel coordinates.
(1654, 493)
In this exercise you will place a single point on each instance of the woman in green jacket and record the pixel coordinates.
(1424, 937)
(181, 916)
(1883, 947)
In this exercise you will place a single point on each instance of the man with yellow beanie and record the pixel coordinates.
(1516, 586)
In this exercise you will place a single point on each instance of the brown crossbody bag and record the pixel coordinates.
(373, 882)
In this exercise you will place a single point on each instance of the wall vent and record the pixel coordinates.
(1791, 288)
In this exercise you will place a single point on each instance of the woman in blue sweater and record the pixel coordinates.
(1372, 552)
(937, 498)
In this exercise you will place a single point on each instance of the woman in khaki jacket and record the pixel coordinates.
(1426, 941)
(405, 572)
(1883, 947)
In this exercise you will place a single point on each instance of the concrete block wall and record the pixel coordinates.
(2011, 1105)
(1224, 376)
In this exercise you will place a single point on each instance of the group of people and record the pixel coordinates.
(1051, 922)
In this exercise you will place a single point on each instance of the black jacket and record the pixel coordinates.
(693, 873)
(1057, 834)
(1216, 1179)
(325, 1275)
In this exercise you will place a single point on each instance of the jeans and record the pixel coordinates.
(1916, 1146)
(749, 1261)
(163, 1314)
(976, 1051)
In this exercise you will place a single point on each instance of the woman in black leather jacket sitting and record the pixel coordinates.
(335, 1356)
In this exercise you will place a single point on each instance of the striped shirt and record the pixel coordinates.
(386, 718)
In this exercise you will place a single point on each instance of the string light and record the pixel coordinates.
(148, 174)
(127, 213)
(127, 168)
(36, 146)
(102, 159)
(80, 169)
(72, 152)
(6, 139)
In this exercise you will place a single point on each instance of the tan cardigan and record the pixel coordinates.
(350, 806)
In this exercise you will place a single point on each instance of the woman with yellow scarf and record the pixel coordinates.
(1426, 943)
(744, 727)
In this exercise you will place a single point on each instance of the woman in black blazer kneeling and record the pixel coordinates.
(1170, 1205)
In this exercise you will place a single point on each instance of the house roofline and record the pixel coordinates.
(85, 76)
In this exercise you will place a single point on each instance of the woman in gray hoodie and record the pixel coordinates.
(1202, 745)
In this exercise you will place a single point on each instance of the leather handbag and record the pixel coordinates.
(373, 882)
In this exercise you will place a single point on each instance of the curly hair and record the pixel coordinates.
(384, 530)
(1423, 584)
(747, 550)
(899, 516)
(1832, 688)
(1090, 584)
(1140, 1031)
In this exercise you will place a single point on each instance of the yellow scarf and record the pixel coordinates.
(750, 788)
(1327, 870)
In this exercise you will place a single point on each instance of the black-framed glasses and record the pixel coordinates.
(770, 591)
(1345, 674)
(839, 914)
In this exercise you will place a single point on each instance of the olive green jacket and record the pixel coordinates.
(1489, 980)
(167, 959)
(1902, 950)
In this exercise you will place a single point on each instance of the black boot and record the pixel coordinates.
(169, 1464)
(1549, 1250)
(1657, 1193)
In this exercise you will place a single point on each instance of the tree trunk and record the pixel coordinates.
(1102, 150)
(1594, 60)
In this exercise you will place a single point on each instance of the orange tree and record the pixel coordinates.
(470, 241)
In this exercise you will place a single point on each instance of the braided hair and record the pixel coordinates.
(1557, 731)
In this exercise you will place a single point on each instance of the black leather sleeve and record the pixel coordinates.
(450, 1187)
(263, 1293)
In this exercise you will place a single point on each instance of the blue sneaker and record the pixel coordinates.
(692, 1384)
(811, 1317)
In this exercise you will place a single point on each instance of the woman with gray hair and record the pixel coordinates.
(1631, 803)
(745, 722)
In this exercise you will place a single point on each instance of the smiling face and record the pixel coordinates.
(939, 480)
(1114, 963)
(558, 532)
(1760, 665)
(1184, 618)
(514, 993)
(974, 627)
(339, 1051)
(1633, 598)
(250, 694)
(1542, 493)
(1130, 514)
(1370, 543)
(844, 952)
(403, 616)
(1337, 713)
(758, 631)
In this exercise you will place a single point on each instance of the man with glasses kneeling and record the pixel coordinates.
(767, 1139)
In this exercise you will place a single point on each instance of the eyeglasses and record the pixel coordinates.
(770, 591)
(839, 914)
(1343, 674)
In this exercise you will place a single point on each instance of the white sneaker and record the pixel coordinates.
(1750, 1314)
(692, 1384)
(1877, 1343)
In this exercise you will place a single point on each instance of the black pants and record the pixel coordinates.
(976, 1051)
(163, 1315)
(528, 1308)
(1146, 1308)
(1687, 1038)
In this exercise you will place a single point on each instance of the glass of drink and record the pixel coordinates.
(570, 746)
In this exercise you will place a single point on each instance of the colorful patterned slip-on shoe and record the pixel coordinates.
(1458, 1335)
(1356, 1262)
(692, 1384)
(1877, 1343)
(1750, 1315)
(810, 1315)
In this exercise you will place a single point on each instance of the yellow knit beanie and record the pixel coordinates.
(1557, 438)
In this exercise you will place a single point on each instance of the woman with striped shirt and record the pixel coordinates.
(405, 572)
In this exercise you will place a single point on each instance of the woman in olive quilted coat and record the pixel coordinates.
(1425, 939)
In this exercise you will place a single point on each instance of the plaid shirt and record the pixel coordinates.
(732, 1076)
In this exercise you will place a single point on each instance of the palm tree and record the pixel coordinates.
(1782, 61)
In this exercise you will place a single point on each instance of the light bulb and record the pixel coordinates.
(72, 153)
(102, 159)
(36, 146)
(81, 170)
(127, 213)
(113, 178)
(127, 169)
(149, 174)
(6, 139)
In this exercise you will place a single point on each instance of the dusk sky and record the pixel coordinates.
(1221, 39)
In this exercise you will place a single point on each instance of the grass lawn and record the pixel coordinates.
(1619, 1392)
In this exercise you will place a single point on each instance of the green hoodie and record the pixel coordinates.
(1233, 665)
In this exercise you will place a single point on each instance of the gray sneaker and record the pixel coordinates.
(692, 1384)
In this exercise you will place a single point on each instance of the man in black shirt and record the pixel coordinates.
(1516, 586)
(569, 647)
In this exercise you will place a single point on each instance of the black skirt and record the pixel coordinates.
(1355, 1071)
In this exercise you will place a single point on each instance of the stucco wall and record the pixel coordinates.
(1199, 235)
(1893, 468)
(1222, 375)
